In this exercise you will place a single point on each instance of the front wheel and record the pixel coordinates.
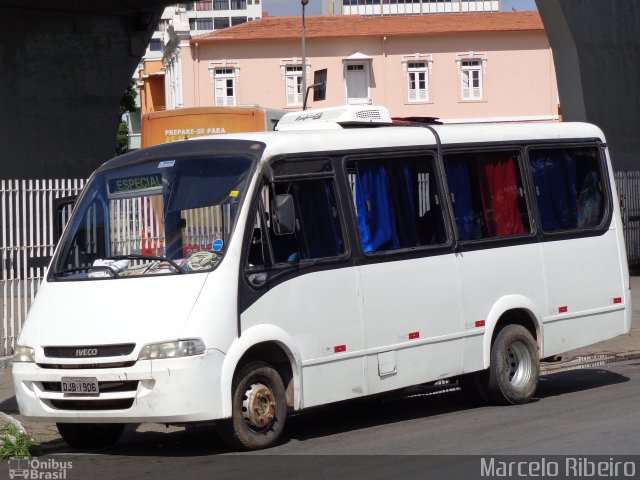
(259, 408)
(515, 366)
(82, 436)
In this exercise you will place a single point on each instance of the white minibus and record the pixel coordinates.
(246, 276)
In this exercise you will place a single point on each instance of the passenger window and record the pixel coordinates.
(397, 203)
(317, 234)
(487, 195)
(569, 187)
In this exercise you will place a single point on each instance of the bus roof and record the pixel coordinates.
(306, 141)
(398, 136)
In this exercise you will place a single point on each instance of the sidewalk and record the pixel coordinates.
(626, 347)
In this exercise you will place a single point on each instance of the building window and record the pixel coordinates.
(221, 5)
(201, 24)
(203, 5)
(471, 79)
(238, 20)
(238, 4)
(357, 80)
(225, 87)
(417, 81)
(186, 6)
(155, 45)
(293, 81)
(220, 22)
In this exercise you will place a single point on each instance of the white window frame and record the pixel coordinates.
(288, 78)
(417, 73)
(221, 78)
(366, 68)
(411, 71)
(471, 68)
(293, 85)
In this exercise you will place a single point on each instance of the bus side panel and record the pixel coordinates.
(583, 280)
(489, 275)
(566, 334)
(320, 311)
(411, 307)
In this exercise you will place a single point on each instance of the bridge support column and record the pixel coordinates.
(62, 75)
(596, 50)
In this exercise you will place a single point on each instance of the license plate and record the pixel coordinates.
(80, 385)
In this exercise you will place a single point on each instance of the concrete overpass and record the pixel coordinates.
(64, 65)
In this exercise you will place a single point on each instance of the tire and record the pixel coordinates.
(259, 408)
(515, 366)
(475, 387)
(83, 436)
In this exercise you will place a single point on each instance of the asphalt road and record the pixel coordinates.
(580, 412)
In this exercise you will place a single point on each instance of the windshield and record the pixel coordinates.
(160, 217)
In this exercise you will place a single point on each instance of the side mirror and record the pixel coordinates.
(284, 217)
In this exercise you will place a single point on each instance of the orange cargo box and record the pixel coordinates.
(182, 123)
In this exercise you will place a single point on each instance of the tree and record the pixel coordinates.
(127, 105)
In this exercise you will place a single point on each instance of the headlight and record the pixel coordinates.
(179, 348)
(23, 354)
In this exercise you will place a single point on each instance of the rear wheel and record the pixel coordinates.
(82, 436)
(515, 366)
(259, 408)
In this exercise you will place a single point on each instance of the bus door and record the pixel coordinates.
(409, 282)
(301, 280)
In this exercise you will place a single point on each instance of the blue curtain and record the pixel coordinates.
(322, 236)
(406, 212)
(554, 175)
(457, 170)
(375, 207)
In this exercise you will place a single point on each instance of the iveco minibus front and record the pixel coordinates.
(139, 306)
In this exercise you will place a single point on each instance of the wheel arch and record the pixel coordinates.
(272, 345)
(511, 309)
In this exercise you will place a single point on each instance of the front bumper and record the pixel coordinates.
(164, 391)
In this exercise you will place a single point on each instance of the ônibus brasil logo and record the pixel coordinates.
(36, 469)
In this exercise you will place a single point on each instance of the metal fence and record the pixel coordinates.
(628, 184)
(26, 245)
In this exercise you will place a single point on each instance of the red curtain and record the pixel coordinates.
(498, 175)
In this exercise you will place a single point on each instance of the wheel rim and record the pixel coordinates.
(519, 364)
(258, 406)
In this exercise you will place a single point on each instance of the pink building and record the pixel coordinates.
(457, 67)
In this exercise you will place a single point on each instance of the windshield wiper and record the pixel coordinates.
(65, 271)
(137, 256)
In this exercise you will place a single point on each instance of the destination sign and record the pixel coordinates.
(139, 183)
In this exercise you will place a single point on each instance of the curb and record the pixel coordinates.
(4, 419)
(588, 361)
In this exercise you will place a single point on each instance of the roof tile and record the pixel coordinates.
(284, 28)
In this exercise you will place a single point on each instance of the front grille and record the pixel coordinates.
(92, 404)
(90, 351)
(104, 387)
(80, 366)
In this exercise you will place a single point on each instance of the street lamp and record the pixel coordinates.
(304, 55)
